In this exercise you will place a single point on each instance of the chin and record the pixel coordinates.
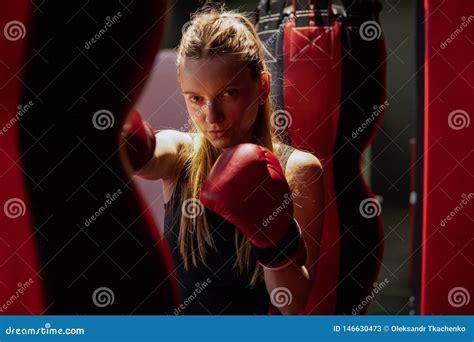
(221, 143)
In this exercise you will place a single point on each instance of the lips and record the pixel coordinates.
(218, 133)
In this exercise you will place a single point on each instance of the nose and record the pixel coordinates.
(214, 113)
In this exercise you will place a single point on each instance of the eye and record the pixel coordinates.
(195, 99)
(231, 92)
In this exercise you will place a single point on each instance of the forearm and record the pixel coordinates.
(294, 283)
(147, 154)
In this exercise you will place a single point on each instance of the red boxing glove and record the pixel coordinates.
(140, 140)
(247, 187)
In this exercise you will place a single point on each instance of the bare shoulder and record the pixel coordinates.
(301, 162)
(303, 171)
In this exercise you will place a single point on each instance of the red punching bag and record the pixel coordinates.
(303, 42)
(98, 249)
(447, 284)
(21, 289)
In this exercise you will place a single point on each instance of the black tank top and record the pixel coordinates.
(218, 287)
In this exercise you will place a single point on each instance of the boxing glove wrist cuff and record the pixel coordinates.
(285, 252)
(151, 146)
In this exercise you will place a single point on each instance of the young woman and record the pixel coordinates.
(243, 211)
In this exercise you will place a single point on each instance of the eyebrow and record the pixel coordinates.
(232, 84)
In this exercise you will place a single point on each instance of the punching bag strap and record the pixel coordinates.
(362, 6)
(323, 12)
(270, 14)
(359, 11)
(312, 12)
(261, 10)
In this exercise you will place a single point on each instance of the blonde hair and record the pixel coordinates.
(214, 31)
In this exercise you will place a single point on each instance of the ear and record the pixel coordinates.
(265, 82)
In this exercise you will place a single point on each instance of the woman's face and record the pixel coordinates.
(222, 98)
